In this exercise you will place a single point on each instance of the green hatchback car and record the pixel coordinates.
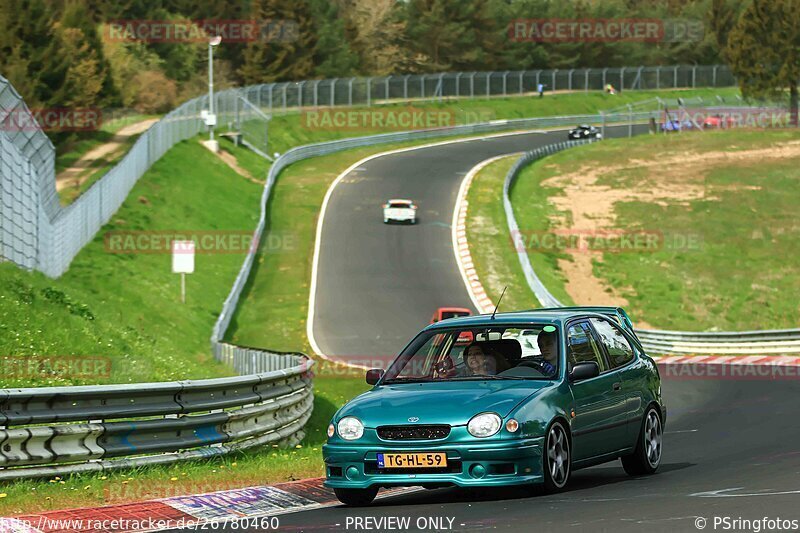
(518, 398)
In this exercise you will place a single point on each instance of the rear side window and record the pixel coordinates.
(582, 346)
(619, 351)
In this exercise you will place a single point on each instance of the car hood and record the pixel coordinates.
(453, 402)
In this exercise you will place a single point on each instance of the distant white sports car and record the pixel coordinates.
(399, 211)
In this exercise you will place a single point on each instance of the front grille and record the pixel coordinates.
(415, 432)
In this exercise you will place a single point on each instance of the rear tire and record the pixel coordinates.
(647, 456)
(356, 497)
(556, 458)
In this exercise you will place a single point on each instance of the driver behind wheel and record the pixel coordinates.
(548, 346)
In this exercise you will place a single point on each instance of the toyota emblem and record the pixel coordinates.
(413, 419)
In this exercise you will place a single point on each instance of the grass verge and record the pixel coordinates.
(720, 203)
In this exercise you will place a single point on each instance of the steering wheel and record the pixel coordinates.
(535, 363)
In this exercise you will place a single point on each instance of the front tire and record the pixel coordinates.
(556, 459)
(356, 497)
(647, 456)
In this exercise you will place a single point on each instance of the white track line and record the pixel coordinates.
(321, 220)
(466, 267)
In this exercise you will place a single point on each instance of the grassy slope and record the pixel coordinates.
(735, 280)
(138, 321)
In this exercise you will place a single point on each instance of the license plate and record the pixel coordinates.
(412, 460)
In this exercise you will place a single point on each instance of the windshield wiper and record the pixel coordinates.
(406, 380)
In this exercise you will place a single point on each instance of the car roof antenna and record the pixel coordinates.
(498, 301)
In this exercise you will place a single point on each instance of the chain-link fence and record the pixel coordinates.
(375, 90)
(37, 233)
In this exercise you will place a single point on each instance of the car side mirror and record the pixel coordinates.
(374, 375)
(585, 370)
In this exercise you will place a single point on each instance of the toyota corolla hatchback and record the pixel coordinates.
(531, 397)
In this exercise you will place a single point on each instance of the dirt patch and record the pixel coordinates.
(229, 159)
(75, 175)
(589, 206)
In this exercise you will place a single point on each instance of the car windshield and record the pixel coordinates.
(479, 353)
(454, 314)
(399, 204)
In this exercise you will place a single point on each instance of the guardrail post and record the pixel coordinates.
(630, 120)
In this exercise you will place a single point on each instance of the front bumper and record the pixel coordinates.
(503, 462)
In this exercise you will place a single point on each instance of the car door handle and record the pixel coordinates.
(616, 386)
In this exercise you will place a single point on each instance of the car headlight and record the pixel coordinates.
(350, 428)
(484, 425)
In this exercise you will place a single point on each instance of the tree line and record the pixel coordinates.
(60, 53)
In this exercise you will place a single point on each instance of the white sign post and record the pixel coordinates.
(183, 262)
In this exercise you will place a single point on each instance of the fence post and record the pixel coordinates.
(554, 80)
(586, 80)
(387, 85)
(569, 83)
(405, 86)
(300, 93)
(694, 77)
(472, 85)
(538, 72)
(369, 92)
(505, 82)
(458, 84)
(714, 76)
(521, 81)
(604, 78)
(488, 81)
(622, 79)
(316, 92)
(658, 77)
(350, 92)
(440, 86)
(285, 89)
(675, 77)
(333, 91)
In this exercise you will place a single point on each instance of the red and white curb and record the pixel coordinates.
(466, 266)
(195, 511)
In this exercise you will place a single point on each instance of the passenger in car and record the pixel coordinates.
(478, 362)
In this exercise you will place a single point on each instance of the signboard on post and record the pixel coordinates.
(183, 262)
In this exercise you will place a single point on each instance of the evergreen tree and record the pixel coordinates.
(764, 50)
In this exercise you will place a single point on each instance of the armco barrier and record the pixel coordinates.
(62, 430)
(662, 342)
(313, 150)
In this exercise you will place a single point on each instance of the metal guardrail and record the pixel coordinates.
(313, 150)
(662, 342)
(64, 430)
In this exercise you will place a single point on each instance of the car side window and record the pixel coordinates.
(582, 347)
(619, 350)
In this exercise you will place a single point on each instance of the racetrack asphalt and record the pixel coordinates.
(378, 284)
(730, 451)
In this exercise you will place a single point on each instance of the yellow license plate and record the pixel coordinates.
(412, 460)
